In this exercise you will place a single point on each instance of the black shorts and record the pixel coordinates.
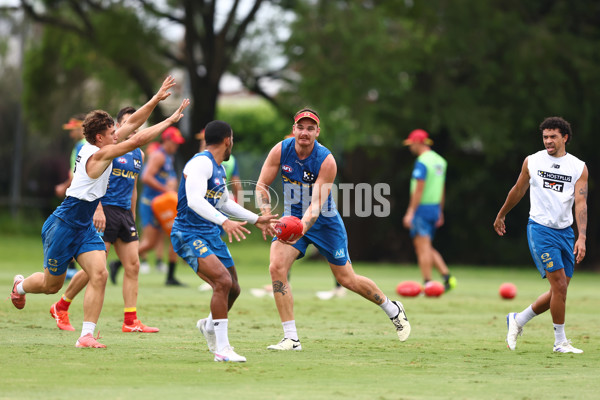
(119, 225)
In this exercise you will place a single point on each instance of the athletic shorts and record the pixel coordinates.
(191, 246)
(422, 226)
(119, 225)
(62, 242)
(328, 235)
(146, 214)
(551, 249)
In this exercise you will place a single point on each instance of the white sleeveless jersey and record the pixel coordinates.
(552, 187)
(83, 187)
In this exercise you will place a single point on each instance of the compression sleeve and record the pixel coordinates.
(232, 208)
(198, 171)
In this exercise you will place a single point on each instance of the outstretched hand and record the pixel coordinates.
(235, 229)
(266, 223)
(167, 84)
(177, 115)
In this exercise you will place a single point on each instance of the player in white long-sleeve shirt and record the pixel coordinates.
(196, 234)
(69, 232)
(556, 180)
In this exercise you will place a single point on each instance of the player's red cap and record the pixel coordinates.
(73, 124)
(172, 133)
(418, 136)
(306, 114)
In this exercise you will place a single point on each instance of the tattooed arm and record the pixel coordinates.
(581, 191)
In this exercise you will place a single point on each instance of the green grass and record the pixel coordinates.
(456, 349)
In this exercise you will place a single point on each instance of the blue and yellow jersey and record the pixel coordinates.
(188, 220)
(298, 177)
(125, 170)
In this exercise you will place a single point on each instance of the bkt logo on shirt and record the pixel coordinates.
(287, 168)
(122, 160)
(556, 186)
(308, 177)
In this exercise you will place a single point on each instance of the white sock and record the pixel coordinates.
(20, 289)
(210, 325)
(88, 327)
(525, 316)
(559, 333)
(390, 308)
(289, 330)
(221, 333)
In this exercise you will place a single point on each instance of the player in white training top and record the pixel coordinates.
(69, 232)
(556, 180)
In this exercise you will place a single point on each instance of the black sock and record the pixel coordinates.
(171, 273)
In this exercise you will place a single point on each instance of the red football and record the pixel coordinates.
(288, 226)
(434, 289)
(409, 288)
(508, 290)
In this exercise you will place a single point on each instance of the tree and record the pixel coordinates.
(120, 42)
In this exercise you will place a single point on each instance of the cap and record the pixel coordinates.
(306, 114)
(172, 133)
(418, 136)
(73, 124)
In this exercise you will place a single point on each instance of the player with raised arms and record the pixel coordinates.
(69, 232)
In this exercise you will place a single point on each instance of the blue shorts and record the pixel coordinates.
(328, 235)
(551, 249)
(146, 214)
(422, 226)
(191, 246)
(62, 242)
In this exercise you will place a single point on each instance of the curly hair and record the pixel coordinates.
(557, 123)
(96, 122)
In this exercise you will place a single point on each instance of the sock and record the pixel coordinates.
(390, 308)
(130, 315)
(525, 316)
(221, 333)
(559, 333)
(210, 325)
(171, 273)
(158, 261)
(446, 277)
(337, 284)
(63, 304)
(117, 263)
(88, 327)
(20, 289)
(289, 330)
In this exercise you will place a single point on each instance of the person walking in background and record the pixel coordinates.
(69, 232)
(556, 180)
(115, 219)
(196, 234)
(158, 177)
(308, 170)
(75, 128)
(425, 212)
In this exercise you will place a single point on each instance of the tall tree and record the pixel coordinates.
(126, 41)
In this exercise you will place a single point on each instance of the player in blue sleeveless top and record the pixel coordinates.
(158, 177)
(203, 201)
(308, 170)
(115, 217)
(69, 231)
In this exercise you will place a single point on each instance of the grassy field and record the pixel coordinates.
(456, 349)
